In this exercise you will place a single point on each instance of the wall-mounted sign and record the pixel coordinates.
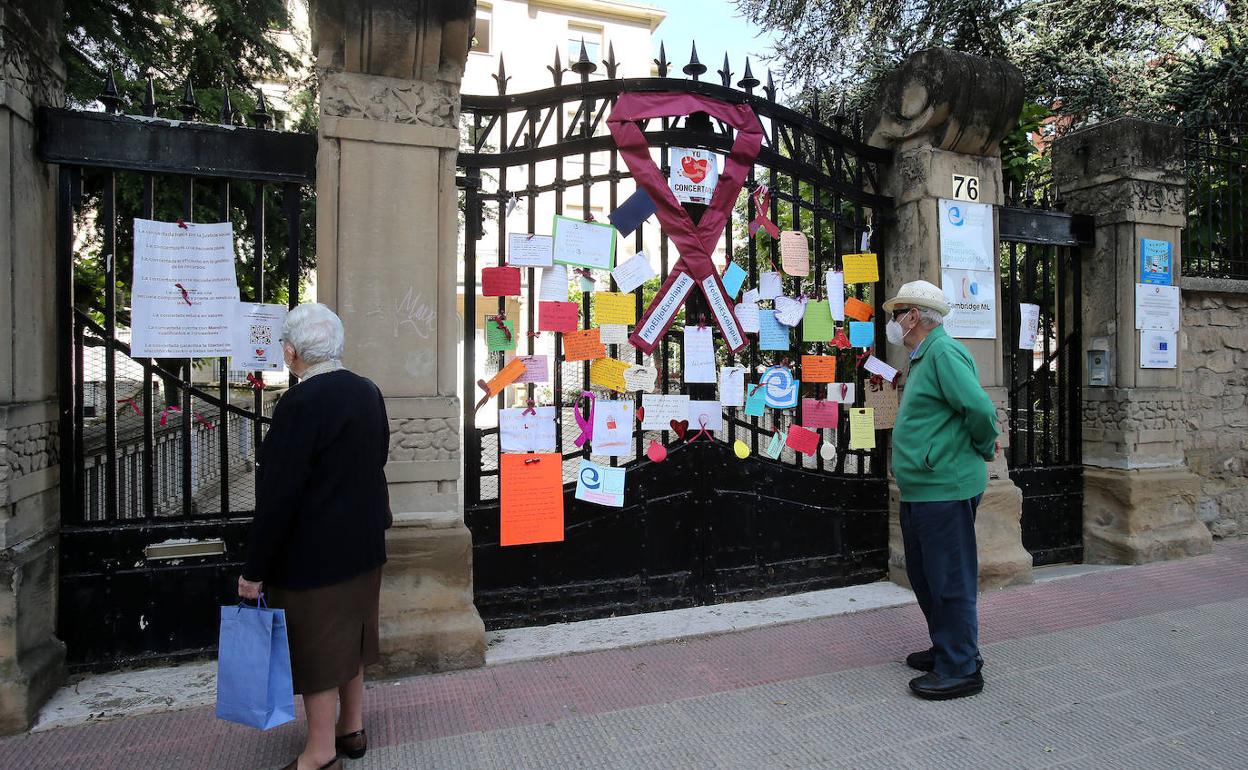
(1158, 349)
(966, 237)
(1156, 262)
(965, 188)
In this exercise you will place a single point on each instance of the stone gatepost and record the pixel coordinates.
(32, 659)
(944, 113)
(387, 226)
(1139, 496)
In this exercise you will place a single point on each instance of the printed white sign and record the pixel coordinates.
(1156, 307)
(694, 175)
(1028, 324)
(966, 235)
(972, 297)
(257, 332)
(1158, 349)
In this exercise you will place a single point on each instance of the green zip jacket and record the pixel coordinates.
(946, 427)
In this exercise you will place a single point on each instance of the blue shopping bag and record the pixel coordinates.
(253, 667)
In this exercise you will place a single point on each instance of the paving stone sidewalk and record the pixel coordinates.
(1144, 667)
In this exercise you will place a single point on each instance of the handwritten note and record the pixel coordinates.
(776, 445)
(817, 323)
(638, 377)
(525, 250)
(734, 275)
(820, 414)
(633, 272)
(615, 307)
(554, 285)
(794, 253)
(747, 316)
(789, 311)
(660, 410)
(500, 282)
(876, 366)
(527, 430)
(600, 484)
(841, 392)
(536, 368)
(861, 268)
(587, 244)
(862, 429)
(755, 401)
(769, 285)
(861, 334)
(499, 338)
(732, 385)
(613, 334)
(584, 345)
(772, 335)
(835, 281)
(699, 350)
(883, 400)
(857, 309)
(818, 368)
(608, 373)
(531, 498)
(613, 428)
(558, 316)
(802, 440)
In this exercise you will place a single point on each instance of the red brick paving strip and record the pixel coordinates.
(525, 693)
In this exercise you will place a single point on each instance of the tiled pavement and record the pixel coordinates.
(1138, 668)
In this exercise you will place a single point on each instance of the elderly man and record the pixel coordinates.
(946, 431)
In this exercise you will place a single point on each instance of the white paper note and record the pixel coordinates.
(661, 410)
(633, 272)
(699, 351)
(638, 377)
(769, 285)
(732, 386)
(836, 294)
(841, 392)
(613, 428)
(528, 250)
(705, 415)
(789, 311)
(876, 366)
(554, 285)
(1029, 320)
(747, 316)
(520, 432)
(613, 334)
(588, 244)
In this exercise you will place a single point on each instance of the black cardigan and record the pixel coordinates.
(321, 499)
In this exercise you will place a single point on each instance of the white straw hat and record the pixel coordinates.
(921, 293)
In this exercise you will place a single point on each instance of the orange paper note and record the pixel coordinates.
(857, 309)
(507, 375)
(531, 497)
(584, 345)
(818, 368)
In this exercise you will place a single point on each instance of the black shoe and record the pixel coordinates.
(926, 661)
(931, 686)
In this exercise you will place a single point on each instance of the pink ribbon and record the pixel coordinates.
(133, 405)
(199, 418)
(586, 424)
(164, 415)
(186, 297)
(530, 409)
(701, 433)
(762, 204)
(695, 243)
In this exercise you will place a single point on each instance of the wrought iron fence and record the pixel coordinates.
(1215, 241)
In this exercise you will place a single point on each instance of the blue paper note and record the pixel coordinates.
(861, 334)
(772, 335)
(733, 277)
(755, 401)
(600, 484)
(632, 212)
(780, 386)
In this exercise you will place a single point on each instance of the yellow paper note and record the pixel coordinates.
(861, 268)
(862, 429)
(614, 307)
(608, 373)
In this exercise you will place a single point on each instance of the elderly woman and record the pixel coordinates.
(318, 540)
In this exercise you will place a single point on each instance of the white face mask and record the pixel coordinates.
(895, 333)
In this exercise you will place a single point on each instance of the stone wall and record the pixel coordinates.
(1215, 384)
(424, 439)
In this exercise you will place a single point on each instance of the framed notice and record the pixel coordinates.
(1156, 263)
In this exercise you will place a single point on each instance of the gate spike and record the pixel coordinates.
(694, 68)
(610, 62)
(770, 88)
(725, 75)
(557, 70)
(662, 63)
(747, 81)
(110, 98)
(189, 106)
(583, 66)
(840, 116)
(261, 115)
(501, 78)
(226, 116)
(149, 97)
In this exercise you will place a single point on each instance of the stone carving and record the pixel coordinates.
(28, 62)
(1135, 195)
(954, 101)
(424, 439)
(347, 95)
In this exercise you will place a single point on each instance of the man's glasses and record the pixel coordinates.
(898, 312)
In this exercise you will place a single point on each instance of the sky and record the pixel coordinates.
(717, 27)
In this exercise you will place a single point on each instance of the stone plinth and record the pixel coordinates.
(387, 256)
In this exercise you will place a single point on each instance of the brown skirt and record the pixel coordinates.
(332, 630)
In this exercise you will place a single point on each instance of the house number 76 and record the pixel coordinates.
(965, 187)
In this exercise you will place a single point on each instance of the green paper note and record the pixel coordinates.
(776, 446)
(817, 325)
(496, 339)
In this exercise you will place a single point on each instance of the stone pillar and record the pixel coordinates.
(32, 659)
(943, 112)
(1139, 496)
(387, 255)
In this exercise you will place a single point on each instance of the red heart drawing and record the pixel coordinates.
(656, 452)
(259, 352)
(694, 168)
(641, 414)
(680, 427)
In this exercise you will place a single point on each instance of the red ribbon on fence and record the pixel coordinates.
(702, 433)
(204, 421)
(762, 204)
(256, 382)
(498, 319)
(164, 415)
(186, 297)
(132, 404)
(695, 243)
(530, 410)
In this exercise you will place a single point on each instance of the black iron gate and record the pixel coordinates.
(702, 526)
(157, 484)
(1040, 253)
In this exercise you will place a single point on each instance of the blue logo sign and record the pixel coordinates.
(955, 216)
(781, 388)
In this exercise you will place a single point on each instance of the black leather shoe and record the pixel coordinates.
(926, 661)
(931, 686)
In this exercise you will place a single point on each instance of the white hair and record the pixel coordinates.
(315, 332)
(929, 317)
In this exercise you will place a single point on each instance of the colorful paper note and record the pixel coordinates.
(781, 387)
(527, 430)
(861, 334)
(587, 244)
(613, 428)
(817, 323)
(496, 338)
(506, 376)
(882, 399)
(638, 377)
(614, 307)
(705, 415)
(554, 285)
(632, 212)
(820, 414)
(600, 484)
(558, 316)
(531, 498)
(633, 272)
(802, 440)
(500, 282)
(860, 268)
(732, 385)
(818, 368)
(772, 335)
(876, 366)
(755, 401)
(776, 445)
(525, 250)
(613, 334)
(835, 281)
(857, 309)
(794, 253)
(699, 350)
(861, 429)
(734, 275)
(789, 311)
(584, 345)
(841, 392)
(536, 368)
(660, 410)
(769, 285)
(608, 373)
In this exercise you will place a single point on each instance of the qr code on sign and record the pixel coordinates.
(261, 334)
